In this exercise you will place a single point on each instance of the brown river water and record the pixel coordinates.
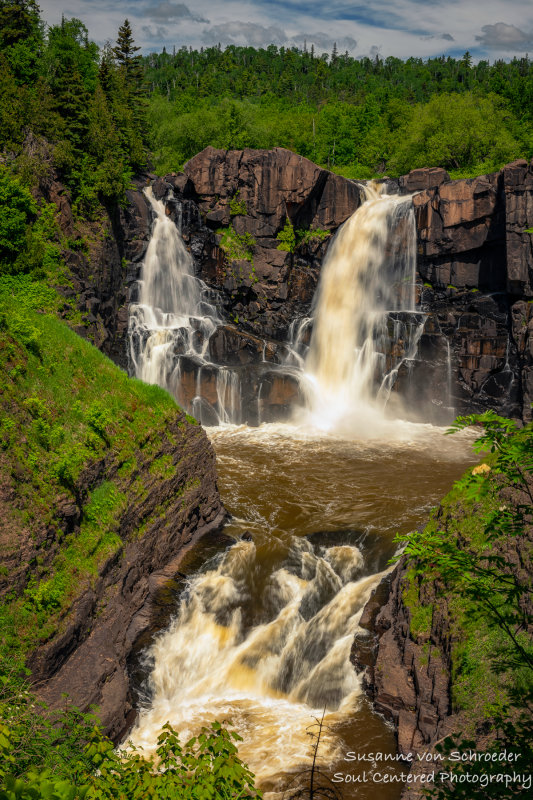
(263, 630)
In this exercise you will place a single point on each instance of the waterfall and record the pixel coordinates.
(365, 324)
(174, 317)
(346, 356)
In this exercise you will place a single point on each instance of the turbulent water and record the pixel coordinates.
(364, 320)
(363, 326)
(263, 633)
(173, 315)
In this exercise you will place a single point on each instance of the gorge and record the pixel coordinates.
(208, 306)
(273, 618)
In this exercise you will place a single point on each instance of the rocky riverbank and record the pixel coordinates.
(429, 658)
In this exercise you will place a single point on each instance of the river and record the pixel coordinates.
(263, 633)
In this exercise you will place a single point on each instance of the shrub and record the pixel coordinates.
(287, 238)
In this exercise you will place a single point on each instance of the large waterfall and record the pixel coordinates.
(363, 327)
(261, 635)
(364, 321)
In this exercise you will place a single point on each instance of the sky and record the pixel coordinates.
(488, 29)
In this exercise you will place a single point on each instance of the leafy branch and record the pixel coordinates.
(483, 575)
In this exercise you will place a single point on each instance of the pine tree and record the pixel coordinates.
(105, 71)
(124, 53)
(129, 102)
(19, 21)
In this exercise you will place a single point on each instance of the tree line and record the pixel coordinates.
(359, 116)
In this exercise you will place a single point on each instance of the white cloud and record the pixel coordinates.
(243, 33)
(399, 28)
(166, 12)
(505, 37)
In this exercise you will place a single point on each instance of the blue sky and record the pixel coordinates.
(487, 28)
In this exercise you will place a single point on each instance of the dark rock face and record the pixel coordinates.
(267, 187)
(475, 267)
(407, 678)
(408, 673)
(88, 659)
(100, 264)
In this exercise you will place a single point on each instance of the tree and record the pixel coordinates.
(130, 92)
(17, 209)
(124, 53)
(21, 37)
(455, 131)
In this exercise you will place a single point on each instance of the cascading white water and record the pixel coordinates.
(271, 668)
(354, 355)
(173, 317)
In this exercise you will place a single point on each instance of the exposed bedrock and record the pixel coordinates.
(475, 266)
(88, 658)
(414, 668)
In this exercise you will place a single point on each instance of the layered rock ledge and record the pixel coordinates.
(474, 264)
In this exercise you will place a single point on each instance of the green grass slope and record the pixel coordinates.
(71, 426)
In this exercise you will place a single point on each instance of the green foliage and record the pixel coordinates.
(420, 613)
(92, 114)
(476, 780)
(237, 206)
(476, 569)
(287, 237)
(43, 366)
(206, 768)
(463, 551)
(455, 131)
(17, 208)
(21, 37)
(349, 114)
(312, 235)
(237, 246)
(62, 755)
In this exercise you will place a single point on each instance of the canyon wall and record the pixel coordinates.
(88, 658)
(425, 666)
(474, 271)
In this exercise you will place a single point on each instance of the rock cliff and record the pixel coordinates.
(104, 483)
(88, 658)
(428, 658)
(475, 264)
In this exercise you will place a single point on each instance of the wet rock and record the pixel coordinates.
(230, 346)
(279, 393)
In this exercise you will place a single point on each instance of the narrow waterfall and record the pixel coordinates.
(173, 319)
(364, 320)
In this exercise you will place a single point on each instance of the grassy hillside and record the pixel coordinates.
(71, 424)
